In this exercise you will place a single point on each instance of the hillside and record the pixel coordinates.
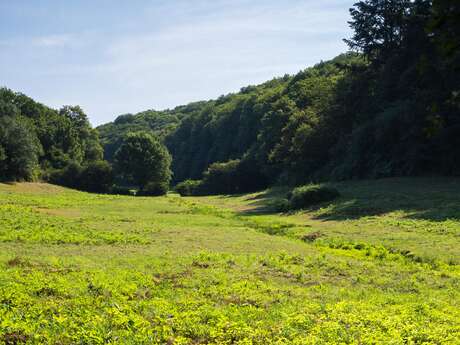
(379, 265)
(245, 124)
(159, 123)
(389, 107)
(321, 207)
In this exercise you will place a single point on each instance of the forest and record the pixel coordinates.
(388, 107)
(316, 208)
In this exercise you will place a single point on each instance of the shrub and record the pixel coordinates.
(96, 177)
(280, 205)
(309, 195)
(221, 178)
(154, 189)
(232, 177)
(188, 187)
(119, 190)
(69, 176)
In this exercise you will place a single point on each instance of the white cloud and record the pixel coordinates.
(52, 41)
(234, 47)
(178, 52)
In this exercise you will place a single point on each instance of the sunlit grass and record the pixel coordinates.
(77, 268)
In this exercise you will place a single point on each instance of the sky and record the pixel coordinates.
(114, 57)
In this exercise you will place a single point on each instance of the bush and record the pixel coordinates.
(310, 195)
(221, 178)
(96, 177)
(154, 189)
(69, 176)
(189, 187)
(280, 205)
(232, 177)
(119, 190)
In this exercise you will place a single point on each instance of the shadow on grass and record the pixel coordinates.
(434, 199)
(265, 202)
(356, 209)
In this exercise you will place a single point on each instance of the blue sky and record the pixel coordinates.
(117, 56)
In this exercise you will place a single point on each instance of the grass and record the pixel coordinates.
(379, 265)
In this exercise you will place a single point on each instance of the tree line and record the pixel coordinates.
(60, 146)
(389, 107)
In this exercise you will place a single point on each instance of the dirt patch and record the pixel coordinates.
(18, 262)
(14, 338)
(312, 236)
(36, 188)
(61, 212)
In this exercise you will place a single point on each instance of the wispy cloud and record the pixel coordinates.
(158, 54)
(52, 41)
(237, 42)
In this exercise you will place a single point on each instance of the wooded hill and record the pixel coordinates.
(389, 107)
(37, 141)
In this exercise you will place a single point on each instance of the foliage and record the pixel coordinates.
(143, 160)
(309, 195)
(157, 123)
(37, 140)
(221, 130)
(379, 27)
(91, 149)
(97, 177)
(120, 190)
(232, 177)
(390, 108)
(188, 187)
(78, 268)
(69, 176)
(154, 188)
(235, 176)
(222, 178)
(19, 150)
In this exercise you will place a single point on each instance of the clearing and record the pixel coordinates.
(380, 265)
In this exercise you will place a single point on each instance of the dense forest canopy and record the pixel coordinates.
(389, 107)
(160, 123)
(37, 140)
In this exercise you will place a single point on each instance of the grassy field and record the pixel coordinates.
(381, 265)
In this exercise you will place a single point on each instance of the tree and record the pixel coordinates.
(60, 146)
(19, 150)
(445, 25)
(379, 27)
(96, 177)
(89, 148)
(143, 160)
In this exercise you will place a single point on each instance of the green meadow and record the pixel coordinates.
(380, 265)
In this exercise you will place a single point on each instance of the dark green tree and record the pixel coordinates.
(96, 177)
(19, 150)
(379, 27)
(89, 147)
(143, 160)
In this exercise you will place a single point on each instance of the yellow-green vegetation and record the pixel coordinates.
(379, 265)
